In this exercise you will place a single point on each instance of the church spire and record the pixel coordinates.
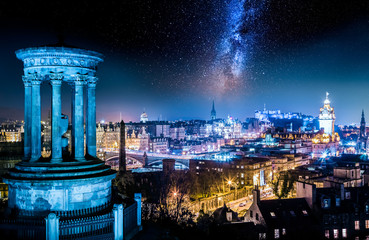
(362, 116)
(362, 125)
(213, 113)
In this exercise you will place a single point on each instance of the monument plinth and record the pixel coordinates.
(61, 183)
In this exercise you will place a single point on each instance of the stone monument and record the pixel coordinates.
(60, 183)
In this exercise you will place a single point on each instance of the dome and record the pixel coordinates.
(143, 115)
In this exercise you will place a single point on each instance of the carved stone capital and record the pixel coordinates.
(56, 79)
(56, 82)
(34, 78)
(91, 82)
(79, 80)
(26, 81)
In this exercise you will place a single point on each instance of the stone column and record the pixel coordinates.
(91, 117)
(78, 119)
(52, 227)
(56, 141)
(36, 120)
(118, 221)
(138, 197)
(27, 117)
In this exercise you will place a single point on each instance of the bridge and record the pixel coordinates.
(136, 158)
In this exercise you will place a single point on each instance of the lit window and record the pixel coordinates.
(326, 203)
(326, 233)
(338, 202)
(357, 225)
(366, 224)
(283, 231)
(242, 175)
(276, 233)
(335, 233)
(344, 232)
(262, 236)
(272, 214)
(367, 208)
(304, 212)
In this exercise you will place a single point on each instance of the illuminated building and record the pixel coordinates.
(159, 145)
(138, 142)
(327, 117)
(10, 134)
(144, 118)
(177, 133)
(326, 141)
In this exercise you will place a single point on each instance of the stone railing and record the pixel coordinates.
(88, 227)
(106, 222)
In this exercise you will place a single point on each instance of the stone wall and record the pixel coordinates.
(60, 195)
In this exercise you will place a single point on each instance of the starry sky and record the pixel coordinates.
(173, 58)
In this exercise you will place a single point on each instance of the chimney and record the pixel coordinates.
(122, 148)
(256, 195)
(168, 165)
(145, 160)
(342, 191)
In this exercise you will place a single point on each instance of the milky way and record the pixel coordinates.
(236, 46)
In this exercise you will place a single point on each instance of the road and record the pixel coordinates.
(247, 201)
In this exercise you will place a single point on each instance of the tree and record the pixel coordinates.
(283, 185)
(125, 183)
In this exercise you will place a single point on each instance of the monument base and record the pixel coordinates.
(69, 186)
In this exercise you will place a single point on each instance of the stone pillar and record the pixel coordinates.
(138, 197)
(91, 117)
(78, 119)
(52, 227)
(27, 117)
(36, 120)
(118, 221)
(122, 148)
(56, 141)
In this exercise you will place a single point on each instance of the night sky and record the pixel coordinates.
(172, 58)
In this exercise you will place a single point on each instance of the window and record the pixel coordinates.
(366, 224)
(326, 233)
(366, 208)
(251, 215)
(283, 231)
(338, 202)
(257, 216)
(293, 213)
(325, 203)
(357, 225)
(304, 212)
(348, 195)
(262, 236)
(242, 175)
(272, 214)
(276, 233)
(344, 233)
(335, 233)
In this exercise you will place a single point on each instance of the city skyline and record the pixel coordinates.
(158, 63)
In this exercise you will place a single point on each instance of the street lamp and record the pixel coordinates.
(229, 183)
